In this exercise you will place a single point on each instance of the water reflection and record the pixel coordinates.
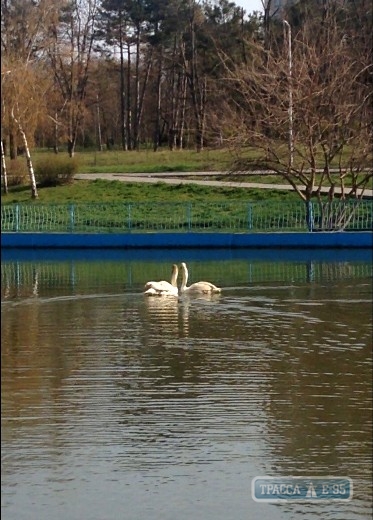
(168, 407)
(161, 315)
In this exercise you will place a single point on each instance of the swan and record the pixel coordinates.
(163, 288)
(198, 287)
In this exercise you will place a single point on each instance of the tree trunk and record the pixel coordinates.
(12, 145)
(197, 86)
(3, 169)
(141, 99)
(123, 131)
(181, 113)
(34, 191)
(55, 147)
(157, 130)
(71, 147)
(137, 91)
(129, 99)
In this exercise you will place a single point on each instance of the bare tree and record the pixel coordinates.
(72, 37)
(24, 80)
(30, 168)
(24, 90)
(197, 80)
(306, 103)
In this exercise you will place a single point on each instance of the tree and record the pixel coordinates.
(24, 81)
(328, 138)
(113, 29)
(72, 36)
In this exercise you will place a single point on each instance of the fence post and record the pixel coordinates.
(249, 216)
(129, 217)
(17, 218)
(189, 216)
(72, 217)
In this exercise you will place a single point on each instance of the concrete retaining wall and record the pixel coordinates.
(347, 239)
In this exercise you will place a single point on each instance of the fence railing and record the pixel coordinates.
(231, 216)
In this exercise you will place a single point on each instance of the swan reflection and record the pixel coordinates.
(209, 297)
(162, 313)
(168, 315)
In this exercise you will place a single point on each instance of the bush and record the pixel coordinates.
(16, 172)
(55, 170)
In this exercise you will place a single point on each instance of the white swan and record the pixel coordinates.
(163, 288)
(198, 287)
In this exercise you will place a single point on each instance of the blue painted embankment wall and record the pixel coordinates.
(331, 239)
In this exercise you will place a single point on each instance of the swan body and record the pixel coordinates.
(163, 288)
(198, 287)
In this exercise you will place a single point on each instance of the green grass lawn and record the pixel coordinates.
(117, 191)
(147, 161)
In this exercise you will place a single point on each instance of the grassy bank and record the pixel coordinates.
(147, 161)
(143, 161)
(116, 191)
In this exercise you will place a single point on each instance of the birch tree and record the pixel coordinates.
(24, 79)
(24, 89)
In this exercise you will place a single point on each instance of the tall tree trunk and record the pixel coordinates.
(3, 169)
(123, 132)
(129, 99)
(180, 118)
(142, 97)
(157, 131)
(34, 191)
(99, 136)
(12, 144)
(55, 147)
(173, 98)
(30, 168)
(71, 147)
(137, 91)
(197, 90)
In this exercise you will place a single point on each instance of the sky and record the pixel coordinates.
(250, 5)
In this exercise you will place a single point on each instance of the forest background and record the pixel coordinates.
(288, 91)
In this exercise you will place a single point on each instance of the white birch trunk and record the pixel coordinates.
(3, 168)
(34, 191)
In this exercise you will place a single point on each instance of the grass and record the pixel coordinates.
(116, 191)
(108, 206)
(147, 161)
(166, 216)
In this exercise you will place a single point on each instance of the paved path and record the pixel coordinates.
(185, 178)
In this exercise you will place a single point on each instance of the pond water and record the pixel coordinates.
(115, 405)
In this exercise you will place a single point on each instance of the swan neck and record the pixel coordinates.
(184, 278)
(175, 272)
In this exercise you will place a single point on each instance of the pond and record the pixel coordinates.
(115, 405)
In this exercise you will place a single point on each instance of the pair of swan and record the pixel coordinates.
(164, 288)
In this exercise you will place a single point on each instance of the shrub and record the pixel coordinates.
(55, 170)
(16, 172)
